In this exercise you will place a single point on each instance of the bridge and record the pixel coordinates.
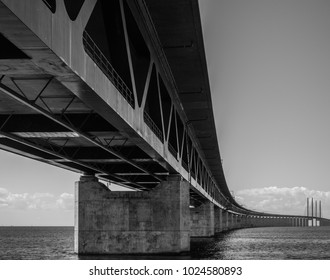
(118, 91)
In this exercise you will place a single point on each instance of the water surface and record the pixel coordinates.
(255, 243)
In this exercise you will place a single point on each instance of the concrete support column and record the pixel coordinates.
(244, 221)
(217, 219)
(202, 220)
(266, 221)
(230, 220)
(269, 221)
(239, 221)
(249, 221)
(224, 215)
(234, 220)
(109, 222)
(258, 221)
(289, 222)
(252, 221)
(278, 221)
(285, 221)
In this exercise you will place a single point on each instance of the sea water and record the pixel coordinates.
(277, 243)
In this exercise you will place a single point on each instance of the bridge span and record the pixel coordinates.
(118, 91)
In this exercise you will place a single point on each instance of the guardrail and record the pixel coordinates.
(185, 165)
(149, 122)
(172, 150)
(103, 63)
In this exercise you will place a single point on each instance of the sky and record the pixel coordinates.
(269, 66)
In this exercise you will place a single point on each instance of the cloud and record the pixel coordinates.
(65, 201)
(38, 201)
(282, 200)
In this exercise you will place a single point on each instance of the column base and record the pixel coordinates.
(153, 222)
(202, 220)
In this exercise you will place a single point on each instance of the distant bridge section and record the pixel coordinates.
(118, 90)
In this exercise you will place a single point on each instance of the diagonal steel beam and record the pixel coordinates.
(56, 154)
(56, 119)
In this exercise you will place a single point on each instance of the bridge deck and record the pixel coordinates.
(62, 102)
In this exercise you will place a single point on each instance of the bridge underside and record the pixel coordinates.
(49, 113)
(42, 119)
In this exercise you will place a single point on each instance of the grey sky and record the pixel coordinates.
(269, 66)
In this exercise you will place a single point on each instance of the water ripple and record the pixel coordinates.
(255, 243)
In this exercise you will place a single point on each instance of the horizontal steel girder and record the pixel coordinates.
(61, 122)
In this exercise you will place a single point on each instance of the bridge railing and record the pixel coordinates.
(103, 63)
(185, 165)
(149, 122)
(172, 150)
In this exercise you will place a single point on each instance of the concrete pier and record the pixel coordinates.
(109, 222)
(202, 220)
(218, 226)
(229, 220)
(224, 220)
(154, 222)
(234, 220)
(238, 221)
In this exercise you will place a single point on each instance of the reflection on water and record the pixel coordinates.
(266, 243)
(255, 243)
